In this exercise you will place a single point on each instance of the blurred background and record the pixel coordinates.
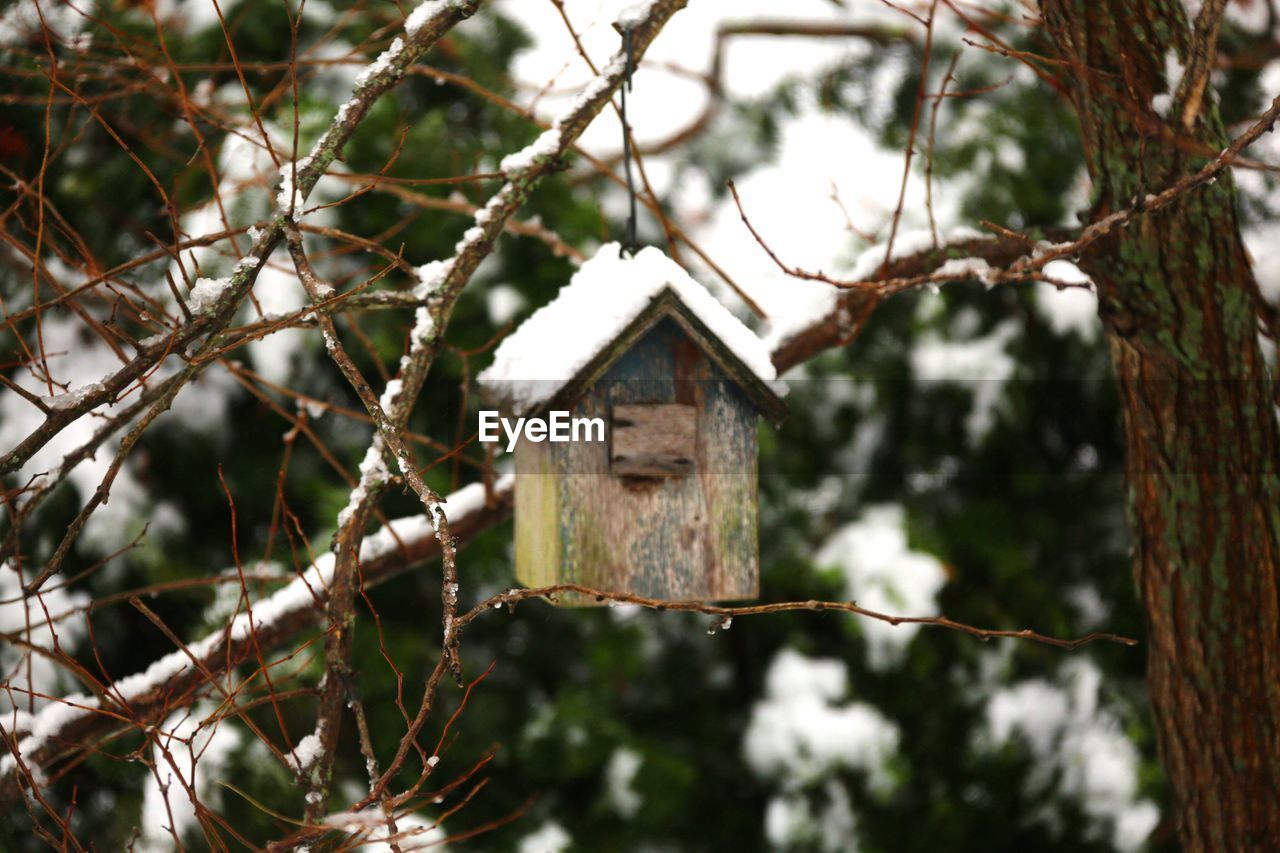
(961, 456)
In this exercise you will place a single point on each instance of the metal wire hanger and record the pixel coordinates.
(631, 245)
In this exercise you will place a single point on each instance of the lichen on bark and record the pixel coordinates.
(1180, 308)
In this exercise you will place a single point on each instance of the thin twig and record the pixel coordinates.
(514, 596)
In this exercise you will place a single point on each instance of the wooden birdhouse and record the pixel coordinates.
(655, 391)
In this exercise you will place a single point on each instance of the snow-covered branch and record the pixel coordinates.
(849, 307)
(174, 681)
(1004, 257)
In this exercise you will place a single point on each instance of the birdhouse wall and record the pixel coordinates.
(691, 537)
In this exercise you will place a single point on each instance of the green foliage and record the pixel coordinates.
(1022, 517)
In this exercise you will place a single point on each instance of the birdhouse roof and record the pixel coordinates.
(611, 301)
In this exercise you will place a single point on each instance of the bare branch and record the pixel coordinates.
(512, 597)
(76, 722)
(1012, 258)
(300, 179)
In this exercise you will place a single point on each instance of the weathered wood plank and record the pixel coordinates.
(537, 508)
(654, 440)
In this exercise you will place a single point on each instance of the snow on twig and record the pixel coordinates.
(304, 593)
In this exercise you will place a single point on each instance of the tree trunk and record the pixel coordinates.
(1180, 308)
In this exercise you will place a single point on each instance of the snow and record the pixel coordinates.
(826, 166)
(982, 363)
(787, 820)
(1035, 710)
(1067, 273)
(547, 144)
(379, 65)
(1262, 236)
(305, 753)
(199, 751)
(1072, 310)
(390, 393)
(41, 620)
(1173, 72)
(299, 594)
(356, 497)
(800, 736)
(976, 268)
(71, 399)
(373, 470)
(811, 159)
(425, 11)
(620, 776)
(413, 832)
(21, 22)
(911, 242)
(245, 170)
(188, 15)
(800, 733)
(289, 198)
(431, 276)
(634, 15)
(423, 326)
(279, 292)
(790, 824)
(246, 174)
(79, 362)
(793, 190)
(666, 99)
(503, 302)
(826, 187)
(1092, 608)
(419, 16)
(605, 295)
(1253, 17)
(548, 838)
(1263, 243)
(1078, 743)
(551, 140)
(205, 294)
(882, 573)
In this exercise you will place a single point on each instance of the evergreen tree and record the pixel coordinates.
(1035, 365)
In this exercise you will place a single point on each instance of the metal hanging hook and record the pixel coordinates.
(632, 245)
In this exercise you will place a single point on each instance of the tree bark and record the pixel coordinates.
(1180, 308)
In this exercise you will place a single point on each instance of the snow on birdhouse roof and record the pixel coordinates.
(602, 300)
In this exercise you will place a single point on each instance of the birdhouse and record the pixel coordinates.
(636, 459)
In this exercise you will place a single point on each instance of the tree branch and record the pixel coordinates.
(512, 597)
(1012, 257)
(299, 179)
(70, 723)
